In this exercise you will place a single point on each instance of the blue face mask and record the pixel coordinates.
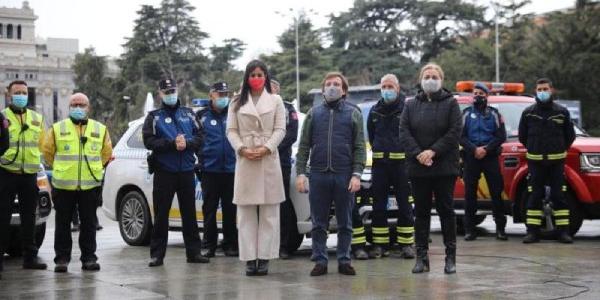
(389, 96)
(222, 102)
(19, 101)
(77, 113)
(170, 99)
(544, 96)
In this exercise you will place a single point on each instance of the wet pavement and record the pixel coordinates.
(487, 269)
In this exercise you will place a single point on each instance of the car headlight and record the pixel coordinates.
(590, 162)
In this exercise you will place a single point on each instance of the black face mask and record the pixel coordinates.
(480, 101)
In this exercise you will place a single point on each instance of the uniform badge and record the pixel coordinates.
(35, 123)
(168, 120)
(67, 147)
(94, 147)
(213, 122)
(473, 116)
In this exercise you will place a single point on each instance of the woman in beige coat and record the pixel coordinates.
(255, 127)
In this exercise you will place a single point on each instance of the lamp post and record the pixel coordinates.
(497, 46)
(127, 99)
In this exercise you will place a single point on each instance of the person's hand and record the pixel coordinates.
(250, 154)
(426, 157)
(180, 142)
(301, 184)
(354, 185)
(480, 152)
(262, 151)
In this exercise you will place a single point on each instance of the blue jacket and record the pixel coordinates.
(482, 128)
(161, 127)
(216, 154)
(383, 126)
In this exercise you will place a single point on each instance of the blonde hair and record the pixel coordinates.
(390, 77)
(432, 66)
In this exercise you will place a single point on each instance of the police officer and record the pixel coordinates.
(482, 137)
(547, 132)
(172, 134)
(19, 166)
(383, 128)
(288, 227)
(78, 148)
(216, 160)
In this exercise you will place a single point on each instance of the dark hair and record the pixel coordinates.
(335, 75)
(15, 83)
(544, 81)
(243, 97)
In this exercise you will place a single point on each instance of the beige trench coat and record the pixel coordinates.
(257, 182)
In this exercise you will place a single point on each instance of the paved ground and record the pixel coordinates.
(487, 269)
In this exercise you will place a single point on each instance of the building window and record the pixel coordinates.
(1, 30)
(19, 32)
(9, 31)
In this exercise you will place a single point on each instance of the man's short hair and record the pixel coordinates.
(338, 75)
(390, 77)
(544, 81)
(15, 83)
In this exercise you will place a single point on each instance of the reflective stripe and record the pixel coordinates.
(359, 240)
(397, 155)
(63, 128)
(380, 230)
(534, 212)
(561, 213)
(405, 229)
(377, 154)
(534, 221)
(562, 222)
(358, 230)
(358, 199)
(564, 188)
(403, 240)
(411, 199)
(529, 188)
(64, 183)
(555, 156)
(34, 168)
(25, 144)
(68, 157)
(381, 240)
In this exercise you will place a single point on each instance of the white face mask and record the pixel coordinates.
(332, 93)
(431, 85)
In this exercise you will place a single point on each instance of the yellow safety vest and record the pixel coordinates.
(71, 169)
(23, 154)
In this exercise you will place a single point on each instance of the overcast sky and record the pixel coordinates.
(104, 24)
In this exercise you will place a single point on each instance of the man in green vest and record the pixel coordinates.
(78, 148)
(19, 166)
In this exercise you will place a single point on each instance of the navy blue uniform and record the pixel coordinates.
(216, 161)
(174, 173)
(483, 128)
(288, 220)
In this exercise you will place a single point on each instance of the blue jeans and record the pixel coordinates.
(325, 188)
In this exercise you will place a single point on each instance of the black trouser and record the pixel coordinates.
(490, 167)
(542, 174)
(218, 187)
(288, 221)
(442, 188)
(166, 184)
(387, 173)
(65, 203)
(25, 186)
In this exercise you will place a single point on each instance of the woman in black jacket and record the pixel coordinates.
(430, 127)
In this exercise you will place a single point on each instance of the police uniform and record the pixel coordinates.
(216, 161)
(483, 127)
(4, 142)
(173, 173)
(19, 166)
(547, 132)
(77, 150)
(288, 220)
(388, 171)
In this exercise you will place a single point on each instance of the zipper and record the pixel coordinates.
(329, 139)
(222, 134)
(79, 161)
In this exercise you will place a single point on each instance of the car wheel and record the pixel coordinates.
(576, 213)
(135, 222)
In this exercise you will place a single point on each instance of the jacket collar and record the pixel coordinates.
(440, 95)
(264, 105)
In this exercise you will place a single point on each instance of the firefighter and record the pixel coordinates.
(77, 148)
(547, 132)
(482, 137)
(173, 135)
(19, 166)
(388, 171)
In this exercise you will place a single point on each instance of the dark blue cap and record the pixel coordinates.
(220, 87)
(481, 86)
(167, 84)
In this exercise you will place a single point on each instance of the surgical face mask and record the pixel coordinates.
(77, 113)
(19, 101)
(222, 102)
(389, 96)
(170, 99)
(544, 96)
(332, 93)
(431, 85)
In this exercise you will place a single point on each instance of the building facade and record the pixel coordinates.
(45, 64)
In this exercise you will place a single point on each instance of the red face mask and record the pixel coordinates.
(256, 83)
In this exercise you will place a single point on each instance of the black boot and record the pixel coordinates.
(564, 236)
(262, 268)
(501, 234)
(449, 232)
(422, 261)
(251, 268)
(533, 235)
(470, 234)
(422, 245)
(500, 220)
